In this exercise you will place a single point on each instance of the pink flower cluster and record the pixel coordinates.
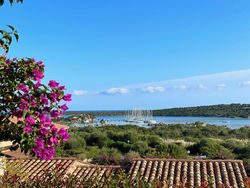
(37, 105)
(48, 137)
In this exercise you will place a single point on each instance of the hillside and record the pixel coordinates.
(221, 110)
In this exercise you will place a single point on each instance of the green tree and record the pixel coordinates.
(211, 149)
(140, 147)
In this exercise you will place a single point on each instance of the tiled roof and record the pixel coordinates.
(193, 172)
(31, 168)
(15, 154)
(172, 171)
(88, 172)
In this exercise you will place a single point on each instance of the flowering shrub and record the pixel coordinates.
(22, 95)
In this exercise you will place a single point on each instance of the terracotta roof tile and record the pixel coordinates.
(94, 172)
(32, 168)
(193, 172)
(16, 154)
(171, 171)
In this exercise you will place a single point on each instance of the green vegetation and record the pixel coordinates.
(221, 110)
(110, 144)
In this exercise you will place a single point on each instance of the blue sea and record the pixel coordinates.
(233, 123)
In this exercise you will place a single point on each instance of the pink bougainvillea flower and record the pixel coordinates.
(67, 97)
(24, 102)
(45, 109)
(8, 61)
(44, 100)
(23, 106)
(64, 107)
(53, 84)
(39, 62)
(23, 88)
(28, 129)
(25, 96)
(33, 104)
(62, 87)
(18, 113)
(42, 132)
(53, 128)
(64, 134)
(50, 153)
(45, 121)
(39, 141)
(20, 87)
(55, 114)
(53, 141)
(29, 120)
(32, 59)
(53, 97)
(37, 85)
(37, 74)
(32, 97)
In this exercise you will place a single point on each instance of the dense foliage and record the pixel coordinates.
(23, 96)
(111, 144)
(221, 110)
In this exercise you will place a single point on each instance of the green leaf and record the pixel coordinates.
(1, 42)
(8, 37)
(11, 27)
(3, 32)
(16, 36)
(1, 2)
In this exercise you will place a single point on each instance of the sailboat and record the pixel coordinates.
(225, 120)
(140, 116)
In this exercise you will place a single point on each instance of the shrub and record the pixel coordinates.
(132, 154)
(211, 149)
(153, 140)
(108, 156)
(97, 139)
(23, 96)
(140, 147)
(177, 151)
(75, 142)
(122, 146)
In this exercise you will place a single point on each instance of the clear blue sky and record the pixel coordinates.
(112, 54)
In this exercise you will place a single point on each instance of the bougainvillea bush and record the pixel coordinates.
(25, 97)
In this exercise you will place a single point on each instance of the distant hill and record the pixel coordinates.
(220, 110)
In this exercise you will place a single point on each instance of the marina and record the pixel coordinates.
(233, 123)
